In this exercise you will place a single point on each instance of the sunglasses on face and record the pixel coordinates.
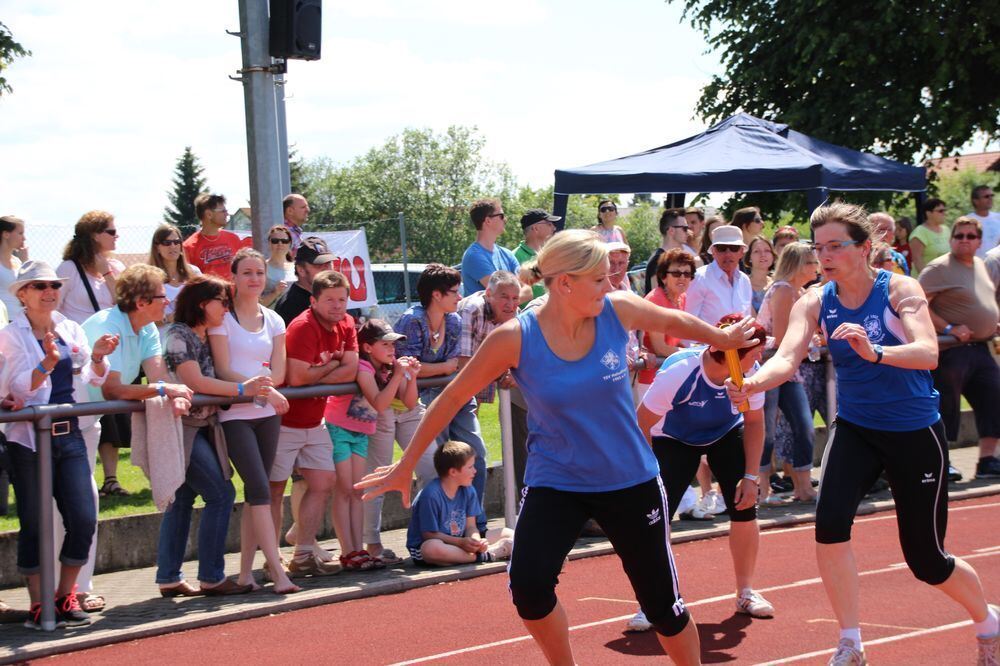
(728, 248)
(280, 241)
(502, 216)
(681, 226)
(173, 241)
(940, 210)
(681, 274)
(111, 232)
(608, 209)
(42, 286)
(965, 237)
(225, 301)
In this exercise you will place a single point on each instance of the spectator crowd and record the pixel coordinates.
(210, 315)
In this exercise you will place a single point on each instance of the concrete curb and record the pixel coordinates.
(405, 581)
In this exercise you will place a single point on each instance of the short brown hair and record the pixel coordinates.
(328, 280)
(786, 232)
(668, 217)
(138, 282)
(670, 257)
(967, 221)
(482, 209)
(436, 277)
(205, 202)
(694, 210)
(452, 455)
(246, 253)
(759, 334)
(855, 218)
(196, 292)
(744, 216)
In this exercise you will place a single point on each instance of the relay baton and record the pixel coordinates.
(736, 374)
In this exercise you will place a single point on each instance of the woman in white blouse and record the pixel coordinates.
(11, 245)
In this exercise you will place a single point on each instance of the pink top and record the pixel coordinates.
(613, 235)
(352, 412)
(659, 297)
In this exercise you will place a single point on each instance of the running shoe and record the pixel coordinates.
(68, 611)
(847, 655)
(312, 566)
(34, 620)
(988, 650)
(638, 623)
(988, 468)
(502, 549)
(712, 503)
(953, 474)
(752, 604)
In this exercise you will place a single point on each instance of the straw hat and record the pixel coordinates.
(33, 271)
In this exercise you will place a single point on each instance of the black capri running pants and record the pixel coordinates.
(679, 463)
(252, 445)
(634, 520)
(916, 465)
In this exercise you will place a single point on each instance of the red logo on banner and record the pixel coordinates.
(355, 275)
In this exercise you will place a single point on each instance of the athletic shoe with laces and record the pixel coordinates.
(752, 604)
(312, 566)
(988, 468)
(988, 650)
(847, 655)
(502, 549)
(638, 623)
(68, 610)
(34, 620)
(712, 503)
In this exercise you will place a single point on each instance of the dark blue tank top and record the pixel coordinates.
(582, 430)
(62, 376)
(877, 396)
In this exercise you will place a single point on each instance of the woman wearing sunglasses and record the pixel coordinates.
(45, 353)
(607, 215)
(166, 253)
(674, 272)
(279, 238)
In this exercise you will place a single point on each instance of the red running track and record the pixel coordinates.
(472, 622)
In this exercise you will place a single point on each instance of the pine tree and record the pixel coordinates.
(188, 183)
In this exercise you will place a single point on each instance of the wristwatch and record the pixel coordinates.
(878, 353)
(947, 329)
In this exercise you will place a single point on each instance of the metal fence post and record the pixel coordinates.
(46, 542)
(507, 448)
(406, 269)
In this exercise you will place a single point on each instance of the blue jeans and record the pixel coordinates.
(791, 398)
(465, 428)
(204, 477)
(71, 488)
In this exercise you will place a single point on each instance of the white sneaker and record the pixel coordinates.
(752, 604)
(712, 503)
(847, 655)
(502, 549)
(638, 623)
(988, 645)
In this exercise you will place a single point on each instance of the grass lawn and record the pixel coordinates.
(141, 499)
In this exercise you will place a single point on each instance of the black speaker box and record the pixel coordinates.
(295, 29)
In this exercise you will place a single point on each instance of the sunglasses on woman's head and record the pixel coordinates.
(42, 286)
(172, 241)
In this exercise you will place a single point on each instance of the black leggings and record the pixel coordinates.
(252, 445)
(679, 463)
(634, 520)
(916, 464)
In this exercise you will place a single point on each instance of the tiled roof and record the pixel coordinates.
(981, 162)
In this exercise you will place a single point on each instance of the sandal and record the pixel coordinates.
(359, 560)
(111, 487)
(388, 557)
(90, 602)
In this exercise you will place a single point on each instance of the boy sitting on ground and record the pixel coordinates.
(443, 520)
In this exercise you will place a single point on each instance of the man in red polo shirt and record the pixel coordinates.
(211, 248)
(322, 348)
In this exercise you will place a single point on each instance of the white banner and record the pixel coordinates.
(350, 251)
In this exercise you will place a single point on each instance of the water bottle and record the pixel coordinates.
(265, 371)
(814, 353)
(78, 358)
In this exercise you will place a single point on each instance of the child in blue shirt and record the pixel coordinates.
(443, 521)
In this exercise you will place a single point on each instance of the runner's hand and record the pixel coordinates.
(855, 336)
(738, 335)
(739, 395)
(386, 479)
(746, 494)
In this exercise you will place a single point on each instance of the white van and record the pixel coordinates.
(390, 292)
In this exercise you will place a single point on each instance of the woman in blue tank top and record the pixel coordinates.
(568, 356)
(883, 345)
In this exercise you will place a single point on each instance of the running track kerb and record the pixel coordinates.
(473, 622)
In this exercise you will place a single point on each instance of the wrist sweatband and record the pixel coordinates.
(239, 388)
(160, 388)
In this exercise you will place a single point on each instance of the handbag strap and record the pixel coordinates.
(86, 283)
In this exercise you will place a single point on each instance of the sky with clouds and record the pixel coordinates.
(115, 89)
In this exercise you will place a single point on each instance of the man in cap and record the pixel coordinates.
(311, 258)
(721, 288)
(537, 226)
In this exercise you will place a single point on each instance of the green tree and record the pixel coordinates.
(642, 228)
(432, 178)
(9, 51)
(896, 78)
(188, 182)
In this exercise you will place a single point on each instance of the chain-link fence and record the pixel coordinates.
(46, 242)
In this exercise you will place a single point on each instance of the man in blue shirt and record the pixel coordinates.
(484, 257)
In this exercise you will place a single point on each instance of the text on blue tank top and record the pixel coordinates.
(877, 396)
(582, 430)
(701, 413)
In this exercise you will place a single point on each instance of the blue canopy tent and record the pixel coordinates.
(742, 154)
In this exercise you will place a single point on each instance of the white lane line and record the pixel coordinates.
(619, 601)
(868, 624)
(777, 531)
(878, 641)
(700, 602)
(990, 549)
